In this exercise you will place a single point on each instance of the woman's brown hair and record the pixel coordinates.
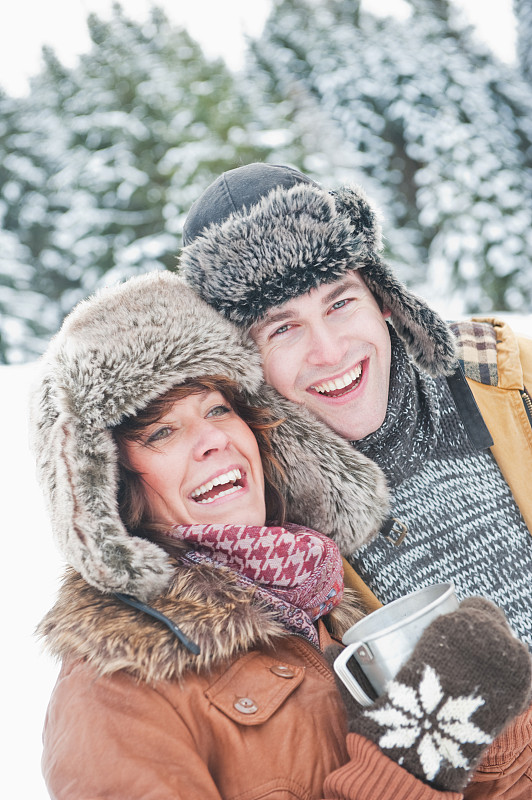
(132, 501)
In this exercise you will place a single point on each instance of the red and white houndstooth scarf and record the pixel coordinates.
(296, 571)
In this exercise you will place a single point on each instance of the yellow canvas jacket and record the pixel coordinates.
(504, 409)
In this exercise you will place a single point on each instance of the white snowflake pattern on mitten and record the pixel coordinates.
(466, 679)
(425, 716)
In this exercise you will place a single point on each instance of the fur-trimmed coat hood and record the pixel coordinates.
(206, 602)
(118, 351)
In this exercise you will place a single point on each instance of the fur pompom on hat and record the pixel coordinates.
(263, 234)
(115, 354)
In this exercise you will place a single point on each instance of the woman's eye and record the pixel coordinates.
(159, 434)
(218, 411)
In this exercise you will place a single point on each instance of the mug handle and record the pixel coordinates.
(345, 675)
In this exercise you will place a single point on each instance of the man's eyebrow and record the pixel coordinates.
(271, 319)
(338, 289)
(282, 315)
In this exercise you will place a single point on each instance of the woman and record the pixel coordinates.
(191, 632)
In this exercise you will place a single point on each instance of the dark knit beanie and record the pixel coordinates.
(262, 234)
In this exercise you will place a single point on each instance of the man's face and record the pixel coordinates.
(330, 351)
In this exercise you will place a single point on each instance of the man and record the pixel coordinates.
(300, 268)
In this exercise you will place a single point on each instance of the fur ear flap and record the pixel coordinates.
(427, 338)
(77, 468)
(329, 485)
(352, 202)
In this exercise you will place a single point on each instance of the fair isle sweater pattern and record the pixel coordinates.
(463, 523)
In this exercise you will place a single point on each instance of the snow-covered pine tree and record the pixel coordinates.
(106, 159)
(32, 278)
(438, 128)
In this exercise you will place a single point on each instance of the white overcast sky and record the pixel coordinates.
(219, 25)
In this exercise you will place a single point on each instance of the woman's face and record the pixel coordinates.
(200, 463)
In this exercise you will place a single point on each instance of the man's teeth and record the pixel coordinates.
(228, 477)
(339, 383)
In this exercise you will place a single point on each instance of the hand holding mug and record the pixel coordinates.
(467, 678)
(382, 642)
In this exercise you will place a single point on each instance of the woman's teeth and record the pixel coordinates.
(226, 482)
(219, 494)
(339, 383)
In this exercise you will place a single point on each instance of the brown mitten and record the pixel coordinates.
(467, 678)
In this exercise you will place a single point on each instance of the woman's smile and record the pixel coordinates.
(229, 482)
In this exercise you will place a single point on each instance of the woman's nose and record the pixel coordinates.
(208, 438)
(326, 347)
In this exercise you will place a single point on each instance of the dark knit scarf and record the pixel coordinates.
(462, 521)
(409, 433)
(296, 572)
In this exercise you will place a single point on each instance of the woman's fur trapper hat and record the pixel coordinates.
(262, 234)
(118, 351)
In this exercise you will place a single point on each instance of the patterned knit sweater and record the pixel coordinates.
(462, 521)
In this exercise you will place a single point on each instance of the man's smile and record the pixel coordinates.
(340, 386)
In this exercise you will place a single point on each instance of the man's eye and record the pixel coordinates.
(340, 304)
(280, 331)
(159, 434)
(219, 411)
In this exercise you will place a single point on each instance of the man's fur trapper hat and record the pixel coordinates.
(118, 351)
(263, 234)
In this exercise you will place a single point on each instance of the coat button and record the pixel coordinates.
(246, 705)
(282, 671)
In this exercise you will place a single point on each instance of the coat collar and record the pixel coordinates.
(205, 602)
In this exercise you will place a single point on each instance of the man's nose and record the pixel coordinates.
(326, 346)
(208, 438)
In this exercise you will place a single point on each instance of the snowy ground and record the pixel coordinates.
(31, 567)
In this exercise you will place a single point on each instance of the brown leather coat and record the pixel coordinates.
(256, 715)
(247, 729)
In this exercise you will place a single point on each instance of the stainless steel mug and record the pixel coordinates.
(383, 641)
